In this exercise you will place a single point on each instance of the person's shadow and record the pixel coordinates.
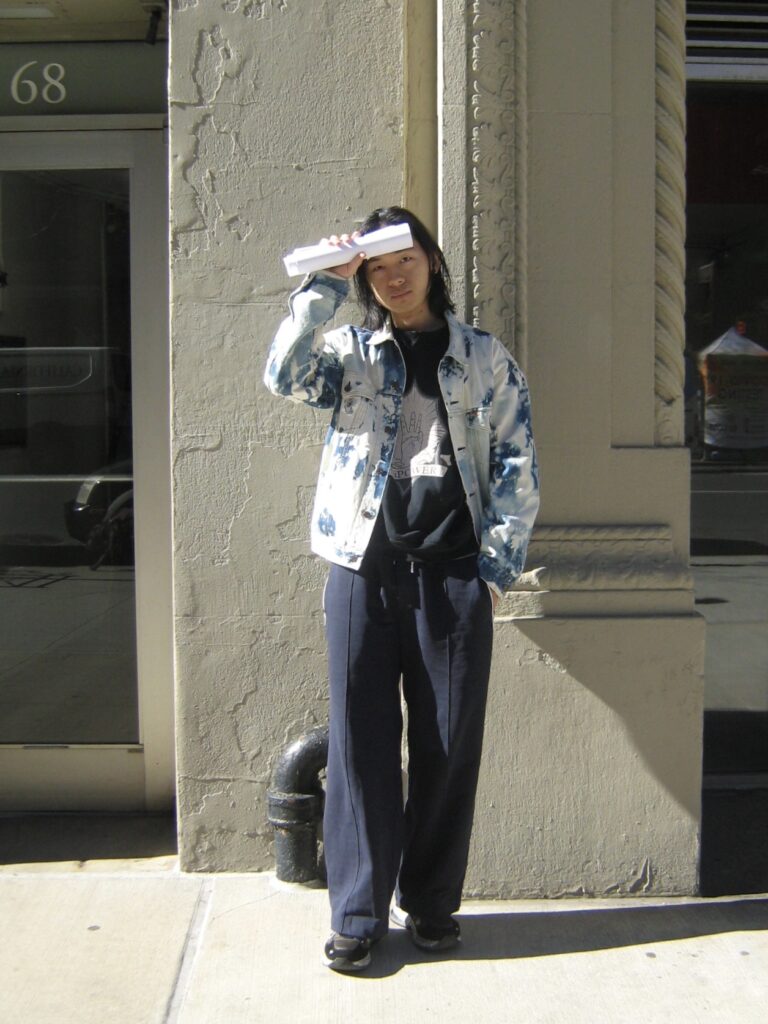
(552, 932)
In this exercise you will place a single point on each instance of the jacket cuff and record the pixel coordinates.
(323, 278)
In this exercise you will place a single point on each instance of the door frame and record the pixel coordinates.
(119, 776)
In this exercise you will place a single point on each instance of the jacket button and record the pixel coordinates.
(368, 513)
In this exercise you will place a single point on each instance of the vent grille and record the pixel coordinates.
(727, 30)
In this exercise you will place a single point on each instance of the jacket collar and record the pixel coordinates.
(458, 340)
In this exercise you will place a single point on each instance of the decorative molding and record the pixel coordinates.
(484, 118)
(670, 221)
(484, 144)
(519, 341)
(492, 123)
(453, 160)
(604, 558)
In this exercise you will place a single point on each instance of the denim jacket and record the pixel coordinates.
(360, 375)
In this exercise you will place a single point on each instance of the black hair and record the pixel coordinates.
(439, 294)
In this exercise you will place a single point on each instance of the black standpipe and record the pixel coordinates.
(295, 806)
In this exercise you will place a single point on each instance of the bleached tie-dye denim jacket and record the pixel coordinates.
(360, 375)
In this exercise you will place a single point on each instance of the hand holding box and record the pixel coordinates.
(324, 255)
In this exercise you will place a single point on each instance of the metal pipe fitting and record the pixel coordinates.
(295, 806)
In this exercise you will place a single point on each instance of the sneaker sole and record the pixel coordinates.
(345, 966)
(433, 945)
(399, 917)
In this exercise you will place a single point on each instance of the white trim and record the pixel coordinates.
(153, 543)
(87, 778)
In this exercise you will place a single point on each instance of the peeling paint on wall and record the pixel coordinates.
(255, 8)
(214, 61)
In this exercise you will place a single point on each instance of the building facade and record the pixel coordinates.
(546, 148)
(544, 143)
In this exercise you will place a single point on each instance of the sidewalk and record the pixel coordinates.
(137, 942)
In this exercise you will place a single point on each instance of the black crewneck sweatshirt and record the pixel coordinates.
(424, 512)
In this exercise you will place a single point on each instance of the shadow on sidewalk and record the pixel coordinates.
(511, 936)
(80, 837)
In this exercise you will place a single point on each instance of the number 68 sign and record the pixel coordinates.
(31, 81)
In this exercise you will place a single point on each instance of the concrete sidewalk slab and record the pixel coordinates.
(226, 949)
(91, 948)
(620, 961)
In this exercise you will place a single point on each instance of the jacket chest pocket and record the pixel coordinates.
(355, 410)
(478, 418)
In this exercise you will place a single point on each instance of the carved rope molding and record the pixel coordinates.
(496, 125)
(670, 221)
(604, 558)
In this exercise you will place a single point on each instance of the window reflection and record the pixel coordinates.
(727, 274)
(67, 596)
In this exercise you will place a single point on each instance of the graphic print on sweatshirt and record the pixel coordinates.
(420, 448)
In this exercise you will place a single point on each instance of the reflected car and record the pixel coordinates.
(96, 494)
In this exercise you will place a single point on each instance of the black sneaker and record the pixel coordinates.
(426, 933)
(345, 953)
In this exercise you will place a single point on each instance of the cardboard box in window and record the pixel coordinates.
(734, 372)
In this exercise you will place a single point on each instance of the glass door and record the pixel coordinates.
(727, 410)
(84, 509)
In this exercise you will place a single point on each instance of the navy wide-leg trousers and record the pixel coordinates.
(432, 625)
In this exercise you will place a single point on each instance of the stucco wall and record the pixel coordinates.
(286, 124)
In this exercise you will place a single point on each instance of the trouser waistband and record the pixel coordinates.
(385, 565)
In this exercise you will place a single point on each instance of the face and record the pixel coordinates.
(400, 283)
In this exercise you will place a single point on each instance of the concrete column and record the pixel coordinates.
(420, 129)
(565, 127)
(286, 125)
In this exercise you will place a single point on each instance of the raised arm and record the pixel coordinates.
(300, 365)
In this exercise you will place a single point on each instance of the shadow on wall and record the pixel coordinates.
(614, 691)
(614, 681)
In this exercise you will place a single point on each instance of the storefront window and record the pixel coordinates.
(67, 646)
(727, 402)
(727, 274)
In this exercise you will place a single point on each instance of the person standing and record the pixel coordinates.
(426, 497)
